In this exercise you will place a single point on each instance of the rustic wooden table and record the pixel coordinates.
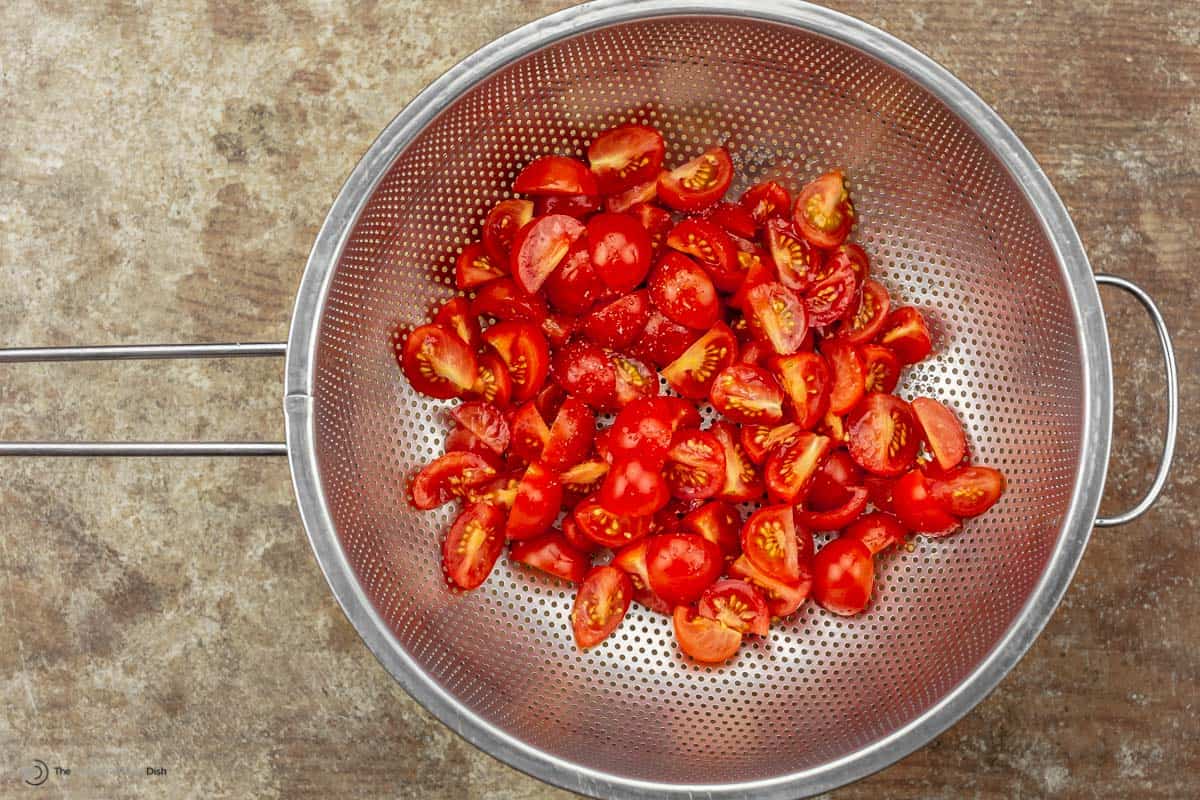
(163, 171)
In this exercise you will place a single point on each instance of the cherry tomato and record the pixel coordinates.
(460, 439)
(473, 545)
(737, 604)
(575, 286)
(574, 534)
(539, 497)
(824, 213)
(943, 432)
(699, 183)
(835, 519)
(504, 300)
(501, 225)
(634, 196)
(570, 437)
(877, 530)
(539, 247)
(756, 269)
(693, 372)
(525, 354)
(657, 223)
(437, 362)
(662, 341)
(485, 422)
(621, 250)
(682, 291)
(600, 605)
(806, 380)
(720, 523)
(475, 267)
(783, 598)
(789, 469)
(833, 426)
(552, 554)
(618, 323)
(881, 368)
(712, 248)
(555, 175)
(573, 205)
(634, 380)
(795, 259)
(500, 491)
(772, 543)
(884, 437)
(754, 352)
(915, 507)
(558, 328)
(848, 372)
(529, 433)
(708, 641)
(766, 200)
(907, 335)
(968, 491)
(831, 298)
(455, 314)
(632, 559)
(448, 477)
(492, 382)
(681, 566)
(607, 529)
(626, 155)
(849, 255)
(777, 315)
(831, 486)
(584, 370)
(732, 218)
(695, 466)
(843, 575)
(742, 479)
(579, 482)
(879, 490)
(747, 394)
(634, 488)
(760, 440)
(645, 429)
(870, 317)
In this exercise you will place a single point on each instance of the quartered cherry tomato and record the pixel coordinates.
(626, 155)
(783, 598)
(575, 286)
(607, 529)
(796, 261)
(942, 432)
(473, 544)
(699, 183)
(732, 218)
(485, 422)
(570, 437)
(539, 497)
(806, 379)
(501, 225)
(692, 373)
(448, 477)
(539, 247)
(756, 268)
(504, 300)
(833, 519)
(789, 470)
(695, 465)
(525, 353)
(871, 315)
(552, 554)
(914, 505)
(968, 491)
(773, 544)
(578, 482)
(681, 566)
(709, 641)
(748, 395)
(621, 250)
(634, 196)
(617, 324)
(711, 248)
(657, 223)
(824, 213)
(881, 368)
(682, 291)
(634, 487)
(529, 433)
(884, 437)
(584, 370)
(766, 200)
(600, 605)
(437, 362)
(843, 576)
(573, 205)
(834, 481)
(849, 255)
(662, 341)
(907, 335)
(848, 374)
(742, 479)
(777, 315)
(555, 175)
(634, 380)
(632, 560)
(720, 523)
(877, 530)
(738, 604)
(492, 382)
(456, 315)
(475, 267)
(831, 298)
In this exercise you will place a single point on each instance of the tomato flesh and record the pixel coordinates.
(790, 469)
(632, 559)
(585, 371)
(884, 437)
(693, 372)
(570, 438)
(968, 491)
(699, 183)
(473, 545)
(449, 477)
(555, 175)
(475, 267)
(942, 430)
(607, 529)
(764, 201)
(871, 315)
(626, 155)
(437, 362)
(806, 379)
(795, 259)
(777, 315)
(554, 555)
(823, 213)
(720, 523)
(881, 368)
(747, 394)
(709, 641)
(907, 335)
(738, 604)
(772, 543)
(695, 465)
(541, 246)
(600, 605)
(525, 353)
(848, 375)
(834, 519)
(742, 479)
(783, 598)
(539, 496)
(485, 422)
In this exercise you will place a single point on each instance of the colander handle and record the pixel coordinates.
(1168, 451)
(155, 351)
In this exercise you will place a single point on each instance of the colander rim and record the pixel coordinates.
(967, 106)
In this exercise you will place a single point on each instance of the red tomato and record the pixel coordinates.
(681, 566)
(575, 286)
(720, 523)
(737, 604)
(485, 422)
(625, 155)
(881, 368)
(684, 292)
(831, 298)
(492, 381)
(755, 269)
(783, 598)
(790, 469)
(579, 482)
(742, 480)
(968, 491)
(766, 200)
(634, 196)
(529, 433)
(437, 362)
(539, 247)
(504, 300)
(617, 324)
(692, 373)
(473, 544)
(747, 394)
(884, 437)
(795, 259)
(558, 328)
(699, 183)
(644, 428)
(870, 317)
(632, 559)
(570, 437)
(600, 605)
(907, 335)
(777, 315)
(879, 490)
(831, 486)
(461, 439)
(657, 223)
(525, 354)
(843, 575)
(621, 250)
(914, 505)
(824, 213)
(539, 497)
(695, 466)
(448, 477)
(634, 380)
(501, 225)
(606, 529)
(662, 341)
(634, 488)
(753, 352)
(708, 641)
(772, 543)
(575, 535)
(455, 314)
(555, 175)
(877, 530)
(475, 267)
(849, 255)
(573, 205)
(806, 380)
(734, 219)
(711, 247)
(552, 554)
(501, 492)
(834, 427)
(942, 430)
(849, 378)
(760, 440)
(584, 370)
(834, 519)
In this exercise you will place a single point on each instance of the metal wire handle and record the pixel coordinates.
(139, 352)
(1168, 451)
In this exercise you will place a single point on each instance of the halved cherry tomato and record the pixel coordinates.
(448, 477)
(539, 247)
(619, 323)
(834, 427)
(914, 505)
(634, 488)
(657, 223)
(783, 598)
(843, 575)
(777, 315)
(835, 519)
(504, 300)
(720, 523)
(692, 373)
(574, 287)
(968, 491)
(539, 497)
(600, 605)
(699, 183)
(500, 491)
(870, 317)
(485, 422)
(852, 256)
(635, 195)
(695, 466)
(738, 604)
(552, 554)
(943, 432)
(742, 479)
(525, 353)
(501, 225)
(790, 469)
(662, 341)
(681, 566)
(831, 486)
(881, 368)
(632, 559)
(573, 205)
(795, 259)
(456, 315)
(711, 247)
(625, 155)
(907, 335)
(748, 395)
(634, 380)
(683, 291)
(831, 298)
(884, 437)
(437, 362)
(766, 200)
(492, 382)
(824, 213)
(570, 437)
(555, 175)
(607, 529)
(806, 380)
(877, 530)
(848, 373)
(475, 267)
(708, 641)
(574, 534)
(772, 543)
(759, 440)
(529, 433)
(732, 218)
(584, 370)
(621, 250)
(473, 545)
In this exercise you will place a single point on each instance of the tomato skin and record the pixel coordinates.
(968, 491)
(835, 519)
(607, 529)
(778, 316)
(573, 205)
(555, 175)
(484, 421)
(831, 486)
(475, 267)
(783, 599)
(657, 223)
(682, 291)
(914, 505)
(617, 324)
(772, 543)
(437, 362)
(632, 559)
(848, 374)
(843, 576)
(742, 479)
(695, 465)
(643, 429)
(879, 491)
(447, 477)
(693, 372)
(942, 432)
(662, 341)
(907, 335)
(552, 554)
(748, 395)
(539, 497)
(738, 604)
(621, 250)
(806, 379)
(632, 197)
(540, 246)
(789, 470)
(732, 218)
(634, 488)
(757, 269)
(881, 368)
(600, 604)
(795, 260)
(883, 435)
(824, 213)
(710, 247)
(870, 317)
(699, 183)
(579, 482)
(760, 440)
(526, 354)
(766, 200)
(706, 640)
(877, 530)
(681, 566)
(570, 437)
(529, 433)
(720, 523)
(574, 287)
(473, 545)
(849, 255)
(504, 300)
(502, 223)
(584, 370)
(625, 156)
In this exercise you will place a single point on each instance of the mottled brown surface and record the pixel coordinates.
(162, 175)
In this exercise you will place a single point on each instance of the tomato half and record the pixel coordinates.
(777, 315)
(738, 604)
(626, 155)
(573, 205)
(742, 479)
(766, 200)
(914, 505)
(607, 529)
(584, 370)
(575, 286)
(554, 555)
(662, 341)
(684, 292)
(634, 380)
(823, 213)
(884, 437)
(621, 250)
(968, 491)
(473, 544)
(789, 470)
(529, 433)
(795, 259)
(617, 324)
(600, 605)
(693, 372)
(681, 566)
(881, 368)
(559, 175)
(539, 497)
(632, 560)
(695, 465)
(447, 477)
(720, 523)
(771, 541)
(475, 267)
(907, 335)
(539, 247)
(699, 183)
(632, 197)
(437, 362)
(783, 598)
(942, 430)
(570, 437)
(878, 531)
(833, 519)
(485, 422)
(831, 486)
(709, 641)
(848, 374)
(634, 488)
(871, 315)
(712, 248)
(525, 353)
(502, 223)
(806, 380)
(843, 576)
(831, 298)
(504, 300)
(732, 218)
(747, 394)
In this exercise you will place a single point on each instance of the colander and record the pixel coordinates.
(958, 220)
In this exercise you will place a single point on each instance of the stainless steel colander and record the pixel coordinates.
(957, 218)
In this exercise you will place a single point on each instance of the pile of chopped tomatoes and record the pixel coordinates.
(614, 272)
